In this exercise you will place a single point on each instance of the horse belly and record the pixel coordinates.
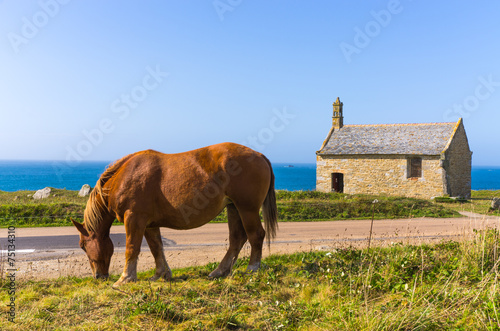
(192, 209)
(188, 217)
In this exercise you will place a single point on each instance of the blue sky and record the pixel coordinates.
(89, 80)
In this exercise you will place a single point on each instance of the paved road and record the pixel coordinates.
(66, 238)
(37, 247)
(55, 241)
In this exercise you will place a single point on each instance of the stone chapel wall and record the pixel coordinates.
(380, 174)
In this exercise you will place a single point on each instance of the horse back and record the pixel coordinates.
(189, 189)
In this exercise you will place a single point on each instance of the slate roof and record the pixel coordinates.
(417, 139)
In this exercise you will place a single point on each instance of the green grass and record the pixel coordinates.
(486, 194)
(55, 210)
(313, 206)
(480, 203)
(447, 286)
(20, 209)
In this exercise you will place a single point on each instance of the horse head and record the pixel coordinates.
(99, 249)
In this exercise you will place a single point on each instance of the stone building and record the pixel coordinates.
(415, 160)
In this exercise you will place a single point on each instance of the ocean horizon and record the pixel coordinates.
(35, 175)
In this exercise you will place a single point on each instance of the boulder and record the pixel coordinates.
(495, 203)
(42, 194)
(85, 190)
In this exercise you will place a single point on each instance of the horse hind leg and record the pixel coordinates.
(153, 237)
(237, 238)
(256, 234)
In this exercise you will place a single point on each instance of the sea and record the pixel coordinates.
(35, 175)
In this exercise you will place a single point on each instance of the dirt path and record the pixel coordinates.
(209, 243)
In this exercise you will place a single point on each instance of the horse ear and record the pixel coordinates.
(80, 228)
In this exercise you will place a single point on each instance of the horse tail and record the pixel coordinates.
(269, 208)
(97, 203)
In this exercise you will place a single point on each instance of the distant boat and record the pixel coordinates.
(289, 166)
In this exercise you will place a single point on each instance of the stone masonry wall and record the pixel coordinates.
(457, 163)
(380, 174)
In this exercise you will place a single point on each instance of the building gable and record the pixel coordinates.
(457, 159)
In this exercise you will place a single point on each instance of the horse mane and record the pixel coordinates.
(95, 206)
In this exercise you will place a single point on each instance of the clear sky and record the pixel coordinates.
(96, 80)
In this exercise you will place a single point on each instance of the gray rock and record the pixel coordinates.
(85, 190)
(42, 194)
(495, 203)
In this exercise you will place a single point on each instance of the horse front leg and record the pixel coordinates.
(153, 237)
(134, 230)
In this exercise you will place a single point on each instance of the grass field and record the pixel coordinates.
(448, 286)
(480, 203)
(19, 208)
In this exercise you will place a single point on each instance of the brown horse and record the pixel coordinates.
(148, 190)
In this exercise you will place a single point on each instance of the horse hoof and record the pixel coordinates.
(218, 274)
(253, 268)
(165, 276)
(123, 280)
(118, 284)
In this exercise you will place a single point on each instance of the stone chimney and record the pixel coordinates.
(338, 116)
